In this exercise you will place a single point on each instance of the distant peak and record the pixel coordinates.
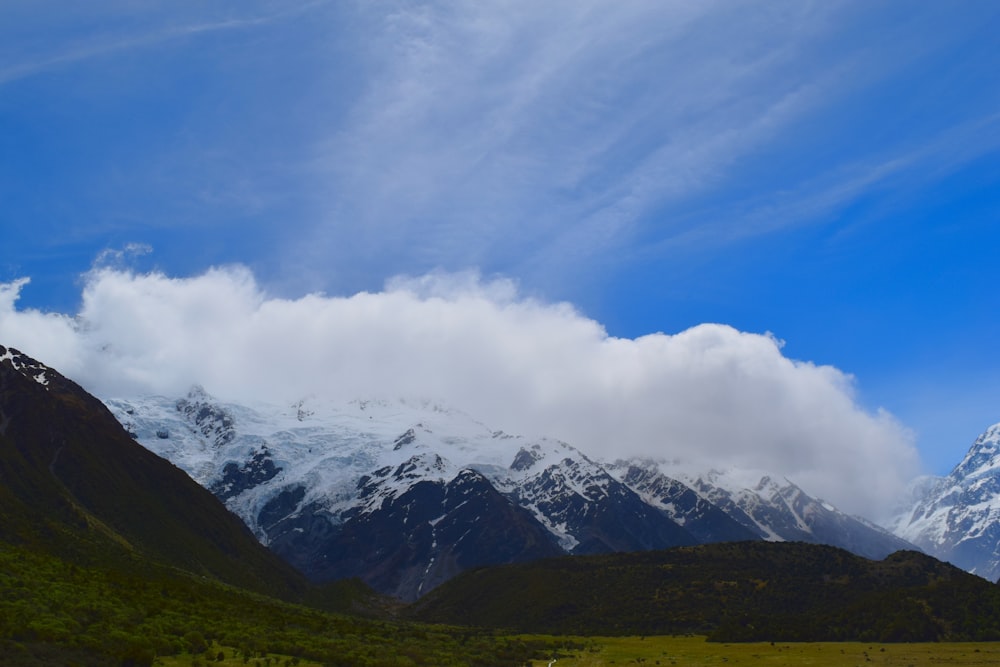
(198, 393)
(982, 455)
(990, 436)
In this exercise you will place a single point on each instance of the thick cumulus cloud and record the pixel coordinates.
(707, 395)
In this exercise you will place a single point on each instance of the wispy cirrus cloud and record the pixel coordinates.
(548, 124)
(902, 172)
(532, 139)
(529, 135)
(103, 43)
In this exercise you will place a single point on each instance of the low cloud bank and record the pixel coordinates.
(710, 394)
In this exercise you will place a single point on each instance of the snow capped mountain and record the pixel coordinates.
(250, 454)
(407, 494)
(701, 517)
(957, 518)
(733, 503)
(591, 511)
(376, 489)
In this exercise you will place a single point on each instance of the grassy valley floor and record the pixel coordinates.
(688, 651)
(228, 656)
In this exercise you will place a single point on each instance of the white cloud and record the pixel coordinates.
(710, 393)
(55, 335)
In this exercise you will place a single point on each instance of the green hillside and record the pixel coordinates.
(57, 613)
(732, 592)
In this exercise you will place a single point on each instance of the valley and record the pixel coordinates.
(112, 555)
(696, 652)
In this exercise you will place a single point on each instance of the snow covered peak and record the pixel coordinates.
(983, 456)
(957, 518)
(256, 452)
(770, 507)
(733, 480)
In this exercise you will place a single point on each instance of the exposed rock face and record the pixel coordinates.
(236, 479)
(411, 542)
(211, 420)
(594, 511)
(706, 522)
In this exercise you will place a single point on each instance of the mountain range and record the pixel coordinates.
(405, 495)
(386, 490)
(112, 555)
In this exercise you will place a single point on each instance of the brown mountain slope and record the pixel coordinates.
(73, 482)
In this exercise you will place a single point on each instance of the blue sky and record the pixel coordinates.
(825, 172)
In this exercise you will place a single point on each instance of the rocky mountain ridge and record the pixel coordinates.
(405, 495)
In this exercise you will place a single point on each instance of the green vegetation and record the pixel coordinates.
(747, 591)
(217, 655)
(695, 651)
(56, 612)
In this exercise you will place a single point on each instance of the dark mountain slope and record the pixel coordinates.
(419, 539)
(733, 592)
(73, 482)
